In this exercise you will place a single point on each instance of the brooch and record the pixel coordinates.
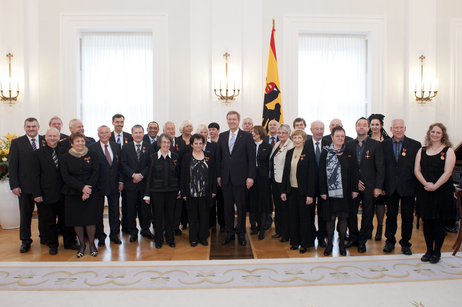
(442, 156)
(117, 158)
(144, 150)
(177, 148)
(174, 162)
(126, 141)
(302, 157)
(404, 152)
(367, 154)
(43, 142)
(207, 159)
(87, 159)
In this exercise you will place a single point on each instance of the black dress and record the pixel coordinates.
(439, 203)
(78, 172)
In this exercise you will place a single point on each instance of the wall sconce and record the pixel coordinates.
(226, 98)
(9, 99)
(423, 87)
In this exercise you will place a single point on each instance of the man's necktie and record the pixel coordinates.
(138, 151)
(108, 155)
(231, 143)
(118, 138)
(318, 153)
(273, 142)
(34, 146)
(55, 157)
(397, 151)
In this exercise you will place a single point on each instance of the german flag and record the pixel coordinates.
(272, 105)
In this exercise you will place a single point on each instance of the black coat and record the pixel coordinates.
(163, 174)
(306, 173)
(260, 192)
(310, 148)
(79, 172)
(131, 165)
(399, 176)
(45, 177)
(127, 138)
(109, 175)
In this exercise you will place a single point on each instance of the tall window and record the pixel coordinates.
(117, 77)
(332, 79)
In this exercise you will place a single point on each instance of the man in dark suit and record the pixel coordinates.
(56, 122)
(20, 183)
(371, 165)
(236, 170)
(135, 160)
(272, 137)
(315, 145)
(110, 183)
(334, 123)
(151, 136)
(46, 186)
(300, 123)
(74, 126)
(400, 184)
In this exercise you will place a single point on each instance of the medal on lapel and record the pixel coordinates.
(442, 156)
(404, 152)
(367, 155)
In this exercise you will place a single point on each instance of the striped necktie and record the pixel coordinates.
(231, 143)
(55, 157)
(273, 142)
(138, 151)
(34, 146)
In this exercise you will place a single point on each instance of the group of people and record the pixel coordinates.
(171, 182)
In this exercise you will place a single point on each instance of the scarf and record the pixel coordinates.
(77, 154)
(334, 172)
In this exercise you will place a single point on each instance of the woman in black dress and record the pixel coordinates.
(80, 171)
(338, 184)
(198, 187)
(260, 192)
(379, 134)
(433, 168)
(162, 189)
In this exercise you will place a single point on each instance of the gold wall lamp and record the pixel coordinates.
(9, 99)
(432, 92)
(225, 97)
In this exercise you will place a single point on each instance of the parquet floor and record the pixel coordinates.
(144, 249)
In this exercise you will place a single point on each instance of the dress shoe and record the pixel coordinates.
(43, 241)
(294, 247)
(227, 240)
(75, 247)
(133, 238)
(253, 227)
(101, 243)
(342, 251)
(362, 248)
(53, 251)
(451, 230)
(378, 234)
(261, 237)
(116, 241)
(434, 259)
(80, 254)
(276, 236)
(193, 244)
(24, 248)
(254, 232)
(148, 235)
(284, 240)
(242, 241)
(388, 247)
(267, 226)
(178, 232)
(158, 245)
(94, 254)
(302, 250)
(425, 258)
(322, 243)
(328, 251)
(171, 244)
(351, 243)
(406, 250)
(222, 229)
(204, 242)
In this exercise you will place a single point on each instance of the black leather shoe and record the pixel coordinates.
(294, 247)
(434, 259)
(171, 244)
(362, 248)
(425, 258)
(242, 241)
(75, 247)
(261, 237)
(193, 244)
(342, 251)
(267, 226)
(276, 236)
(101, 243)
(388, 248)
(204, 242)
(158, 245)
(254, 232)
(227, 240)
(53, 251)
(116, 241)
(133, 238)
(178, 232)
(406, 250)
(351, 243)
(24, 248)
(328, 251)
(284, 240)
(322, 243)
(253, 227)
(148, 235)
(302, 250)
(222, 229)
(378, 234)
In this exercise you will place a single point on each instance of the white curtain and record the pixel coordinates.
(117, 77)
(332, 79)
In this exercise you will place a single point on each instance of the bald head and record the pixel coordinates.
(317, 129)
(273, 126)
(52, 137)
(334, 123)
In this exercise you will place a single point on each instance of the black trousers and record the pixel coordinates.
(26, 209)
(407, 218)
(135, 203)
(178, 208)
(50, 213)
(163, 205)
(368, 204)
(217, 210)
(113, 213)
(234, 195)
(300, 217)
(281, 212)
(124, 222)
(318, 205)
(198, 219)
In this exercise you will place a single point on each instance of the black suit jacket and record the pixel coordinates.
(262, 156)
(180, 148)
(131, 165)
(63, 136)
(19, 164)
(127, 138)
(45, 177)
(371, 169)
(211, 147)
(148, 140)
(399, 176)
(311, 151)
(109, 175)
(306, 173)
(235, 168)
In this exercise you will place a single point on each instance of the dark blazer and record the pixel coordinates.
(180, 148)
(310, 150)
(371, 169)
(131, 165)
(63, 136)
(19, 164)
(148, 140)
(163, 174)
(88, 172)
(306, 173)
(399, 176)
(109, 175)
(235, 168)
(185, 177)
(45, 177)
(263, 155)
(267, 139)
(127, 138)
(329, 138)
(211, 147)
(65, 142)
